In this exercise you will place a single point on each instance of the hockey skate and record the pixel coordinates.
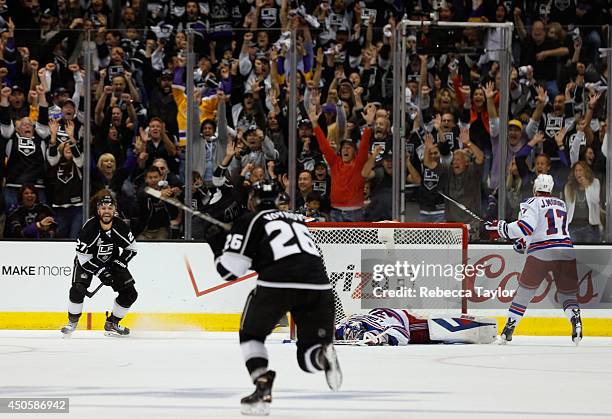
(258, 403)
(115, 329)
(329, 361)
(506, 334)
(576, 326)
(68, 329)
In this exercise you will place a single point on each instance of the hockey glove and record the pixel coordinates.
(105, 276)
(520, 245)
(372, 339)
(118, 265)
(497, 228)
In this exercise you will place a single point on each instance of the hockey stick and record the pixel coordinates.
(157, 194)
(462, 207)
(92, 293)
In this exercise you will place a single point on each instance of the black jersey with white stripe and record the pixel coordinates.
(278, 246)
(97, 248)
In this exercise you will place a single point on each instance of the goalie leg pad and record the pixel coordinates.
(464, 329)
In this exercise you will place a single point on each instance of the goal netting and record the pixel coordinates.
(347, 247)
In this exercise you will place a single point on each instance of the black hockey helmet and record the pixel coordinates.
(265, 194)
(106, 200)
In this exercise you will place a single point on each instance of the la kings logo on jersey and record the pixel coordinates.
(105, 251)
(26, 146)
(65, 173)
(553, 125)
(268, 16)
(430, 179)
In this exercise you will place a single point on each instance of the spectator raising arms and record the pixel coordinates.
(347, 184)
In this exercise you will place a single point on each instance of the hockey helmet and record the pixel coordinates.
(354, 330)
(543, 183)
(106, 200)
(265, 194)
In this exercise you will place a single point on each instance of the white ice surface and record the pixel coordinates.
(202, 375)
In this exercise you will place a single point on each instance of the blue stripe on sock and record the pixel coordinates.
(518, 313)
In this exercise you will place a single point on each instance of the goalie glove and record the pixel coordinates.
(497, 228)
(372, 339)
(520, 246)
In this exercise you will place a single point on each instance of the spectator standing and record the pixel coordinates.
(66, 181)
(347, 196)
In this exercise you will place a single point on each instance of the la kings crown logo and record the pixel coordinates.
(105, 251)
(26, 146)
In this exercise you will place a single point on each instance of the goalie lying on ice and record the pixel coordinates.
(384, 326)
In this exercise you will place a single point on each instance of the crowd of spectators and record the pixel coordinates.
(557, 113)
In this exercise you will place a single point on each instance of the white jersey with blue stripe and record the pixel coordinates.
(542, 222)
(394, 323)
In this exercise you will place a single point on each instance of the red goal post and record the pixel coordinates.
(340, 245)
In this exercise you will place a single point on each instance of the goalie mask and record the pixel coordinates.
(354, 330)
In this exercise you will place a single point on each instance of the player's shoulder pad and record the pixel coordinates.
(119, 224)
(90, 230)
(243, 222)
(121, 227)
(91, 224)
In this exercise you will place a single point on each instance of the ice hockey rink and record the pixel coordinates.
(202, 375)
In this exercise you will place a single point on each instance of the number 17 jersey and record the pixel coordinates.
(279, 247)
(543, 222)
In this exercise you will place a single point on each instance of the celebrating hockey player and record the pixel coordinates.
(278, 246)
(541, 229)
(385, 326)
(104, 247)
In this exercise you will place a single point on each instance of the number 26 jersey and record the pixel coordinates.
(278, 246)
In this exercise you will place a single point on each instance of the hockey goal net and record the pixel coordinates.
(344, 246)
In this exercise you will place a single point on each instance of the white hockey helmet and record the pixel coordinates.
(543, 183)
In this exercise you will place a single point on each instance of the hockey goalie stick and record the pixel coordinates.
(462, 207)
(157, 194)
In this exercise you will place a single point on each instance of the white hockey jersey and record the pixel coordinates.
(543, 223)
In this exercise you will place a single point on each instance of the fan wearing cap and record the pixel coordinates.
(49, 21)
(308, 148)
(260, 150)
(347, 188)
(104, 248)
(381, 181)
(25, 148)
(161, 102)
(248, 112)
(19, 106)
(542, 231)
(517, 149)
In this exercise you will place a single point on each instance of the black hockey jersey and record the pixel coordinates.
(96, 248)
(278, 246)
